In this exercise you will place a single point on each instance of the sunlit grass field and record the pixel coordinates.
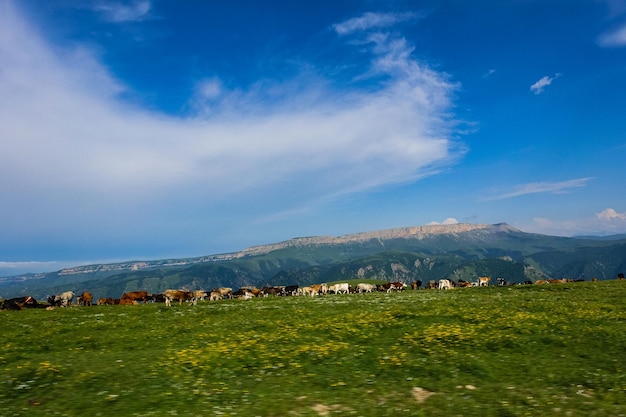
(552, 350)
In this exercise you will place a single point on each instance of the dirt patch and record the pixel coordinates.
(324, 410)
(421, 394)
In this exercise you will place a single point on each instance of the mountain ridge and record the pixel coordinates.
(455, 251)
(418, 232)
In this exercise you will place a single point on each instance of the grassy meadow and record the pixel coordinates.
(551, 350)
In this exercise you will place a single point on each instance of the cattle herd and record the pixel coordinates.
(66, 299)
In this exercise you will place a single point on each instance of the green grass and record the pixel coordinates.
(555, 350)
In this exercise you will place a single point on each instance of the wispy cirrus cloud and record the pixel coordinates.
(119, 12)
(541, 187)
(539, 86)
(489, 73)
(371, 20)
(613, 38)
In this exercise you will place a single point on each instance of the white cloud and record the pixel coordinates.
(118, 12)
(606, 222)
(545, 81)
(449, 220)
(542, 187)
(73, 156)
(371, 21)
(610, 214)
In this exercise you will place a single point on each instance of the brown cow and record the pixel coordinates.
(135, 296)
(483, 281)
(180, 295)
(86, 299)
(105, 301)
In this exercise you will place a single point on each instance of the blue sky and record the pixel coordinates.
(151, 129)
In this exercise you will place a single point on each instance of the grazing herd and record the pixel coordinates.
(66, 298)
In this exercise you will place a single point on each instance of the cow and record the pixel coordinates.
(256, 292)
(364, 287)
(310, 291)
(249, 291)
(444, 284)
(320, 288)
(105, 301)
(85, 299)
(342, 288)
(155, 298)
(464, 284)
(135, 296)
(620, 276)
(483, 281)
(19, 302)
(416, 285)
(267, 291)
(199, 295)
(215, 295)
(180, 295)
(225, 292)
(127, 301)
(61, 300)
(432, 284)
(11, 304)
(394, 286)
(290, 290)
(542, 281)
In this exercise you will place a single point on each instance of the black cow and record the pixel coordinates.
(290, 290)
(19, 302)
(272, 291)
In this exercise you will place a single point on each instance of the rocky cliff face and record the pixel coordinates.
(416, 232)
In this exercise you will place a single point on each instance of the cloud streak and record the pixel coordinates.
(119, 13)
(542, 187)
(614, 38)
(73, 153)
(370, 20)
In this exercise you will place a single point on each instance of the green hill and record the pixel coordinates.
(422, 253)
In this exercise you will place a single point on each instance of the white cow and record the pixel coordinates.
(61, 300)
(363, 287)
(343, 288)
(444, 284)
